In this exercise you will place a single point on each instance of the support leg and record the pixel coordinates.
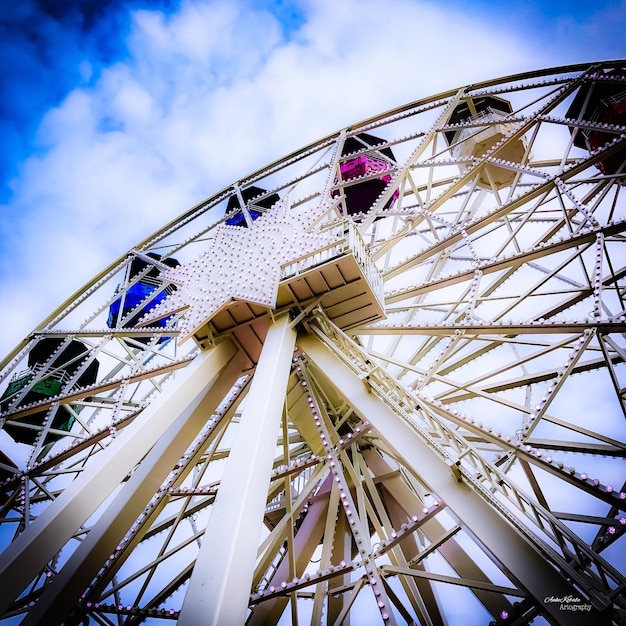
(515, 554)
(28, 554)
(219, 588)
(63, 593)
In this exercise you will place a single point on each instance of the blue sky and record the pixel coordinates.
(116, 116)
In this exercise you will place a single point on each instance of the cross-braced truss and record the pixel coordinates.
(422, 421)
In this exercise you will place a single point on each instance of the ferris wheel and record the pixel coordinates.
(379, 381)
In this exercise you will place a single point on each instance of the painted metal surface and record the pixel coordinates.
(450, 438)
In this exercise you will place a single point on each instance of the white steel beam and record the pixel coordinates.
(219, 589)
(63, 593)
(518, 557)
(25, 558)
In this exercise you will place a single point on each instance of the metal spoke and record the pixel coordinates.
(378, 379)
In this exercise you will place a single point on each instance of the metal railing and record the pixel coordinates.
(345, 239)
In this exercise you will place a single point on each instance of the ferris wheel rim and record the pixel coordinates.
(328, 138)
(460, 332)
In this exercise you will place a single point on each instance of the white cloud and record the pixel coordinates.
(206, 96)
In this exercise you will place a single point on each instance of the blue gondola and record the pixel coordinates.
(148, 291)
(234, 210)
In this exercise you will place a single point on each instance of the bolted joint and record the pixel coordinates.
(455, 469)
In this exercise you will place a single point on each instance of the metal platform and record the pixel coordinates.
(340, 278)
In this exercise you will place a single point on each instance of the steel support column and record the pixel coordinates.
(512, 551)
(63, 593)
(219, 589)
(27, 555)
